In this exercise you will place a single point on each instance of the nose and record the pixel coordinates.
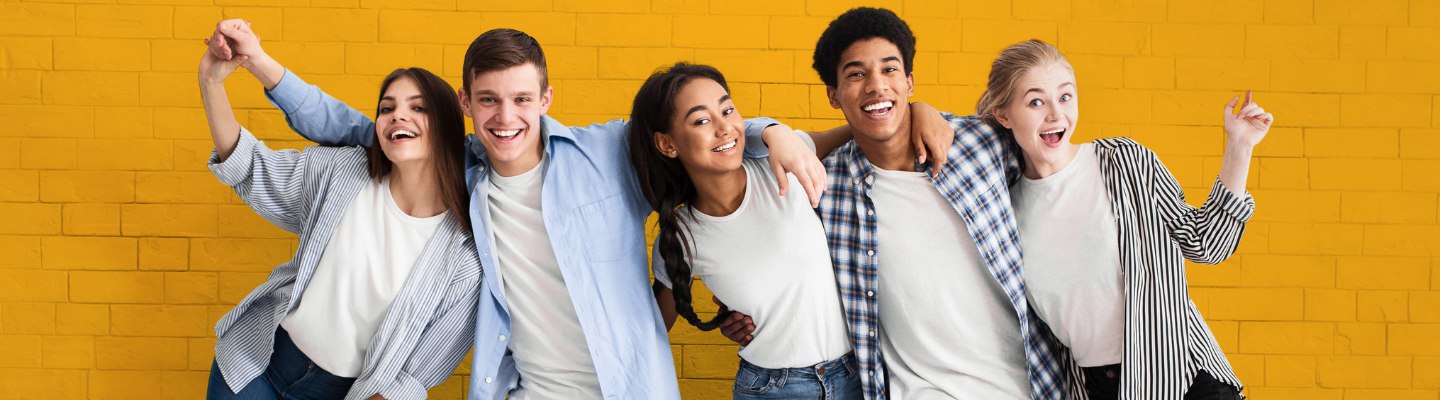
(1053, 112)
(504, 113)
(400, 114)
(874, 83)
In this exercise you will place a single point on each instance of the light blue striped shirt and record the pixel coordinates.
(430, 324)
(595, 216)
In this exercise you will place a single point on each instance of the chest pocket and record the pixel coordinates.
(603, 234)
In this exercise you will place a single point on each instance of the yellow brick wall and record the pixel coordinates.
(119, 251)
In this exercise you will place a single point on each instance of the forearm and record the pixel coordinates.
(666, 300)
(1235, 168)
(224, 129)
(828, 141)
(266, 70)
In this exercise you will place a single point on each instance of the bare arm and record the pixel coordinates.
(224, 129)
(1243, 131)
(666, 300)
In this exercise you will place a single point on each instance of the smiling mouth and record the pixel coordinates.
(880, 108)
(505, 134)
(403, 134)
(725, 147)
(1052, 136)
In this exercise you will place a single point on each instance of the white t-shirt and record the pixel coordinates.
(364, 266)
(947, 329)
(546, 339)
(769, 260)
(1072, 258)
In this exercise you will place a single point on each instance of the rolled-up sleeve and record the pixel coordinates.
(269, 181)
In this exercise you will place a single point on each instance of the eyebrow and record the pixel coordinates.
(704, 107)
(1043, 90)
(392, 98)
(492, 92)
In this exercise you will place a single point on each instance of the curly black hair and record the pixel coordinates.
(856, 25)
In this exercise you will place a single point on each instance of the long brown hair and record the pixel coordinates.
(663, 180)
(446, 125)
(1012, 64)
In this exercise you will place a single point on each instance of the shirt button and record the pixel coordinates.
(856, 180)
(502, 337)
(869, 252)
(487, 379)
(870, 293)
(872, 333)
(870, 212)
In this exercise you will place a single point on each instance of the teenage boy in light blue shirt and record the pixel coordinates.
(566, 308)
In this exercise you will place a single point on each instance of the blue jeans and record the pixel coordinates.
(290, 376)
(837, 379)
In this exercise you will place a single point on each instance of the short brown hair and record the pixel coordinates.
(499, 49)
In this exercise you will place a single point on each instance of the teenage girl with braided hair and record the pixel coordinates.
(722, 218)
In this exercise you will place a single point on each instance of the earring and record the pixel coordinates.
(672, 153)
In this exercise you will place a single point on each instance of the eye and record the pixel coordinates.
(1034, 102)
(1066, 97)
(522, 99)
(891, 69)
(487, 99)
(856, 74)
(386, 109)
(418, 109)
(729, 111)
(702, 121)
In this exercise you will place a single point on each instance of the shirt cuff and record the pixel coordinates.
(235, 169)
(1239, 207)
(288, 94)
(404, 387)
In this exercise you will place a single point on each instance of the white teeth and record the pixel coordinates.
(507, 133)
(726, 147)
(880, 105)
(1053, 131)
(402, 134)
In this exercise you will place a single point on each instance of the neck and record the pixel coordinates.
(718, 195)
(1035, 169)
(523, 164)
(416, 190)
(894, 154)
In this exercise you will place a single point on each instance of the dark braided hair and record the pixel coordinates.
(664, 181)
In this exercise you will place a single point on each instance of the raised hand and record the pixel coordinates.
(234, 37)
(214, 70)
(1249, 125)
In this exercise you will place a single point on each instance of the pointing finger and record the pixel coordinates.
(1230, 107)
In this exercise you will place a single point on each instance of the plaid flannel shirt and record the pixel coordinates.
(974, 180)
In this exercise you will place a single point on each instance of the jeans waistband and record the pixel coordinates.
(823, 368)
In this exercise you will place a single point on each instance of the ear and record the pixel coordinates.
(1002, 117)
(464, 102)
(546, 98)
(664, 144)
(833, 96)
(910, 82)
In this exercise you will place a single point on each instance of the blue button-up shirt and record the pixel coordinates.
(595, 215)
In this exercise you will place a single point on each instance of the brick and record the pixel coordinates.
(635, 63)
(90, 54)
(266, 20)
(1354, 174)
(312, 58)
(170, 89)
(32, 285)
(622, 30)
(1238, 304)
(1376, 12)
(1313, 75)
(201, 353)
(1121, 39)
(28, 319)
(21, 252)
(1419, 175)
(234, 286)
(124, 21)
(20, 87)
(1384, 110)
(1329, 305)
(1290, 371)
(43, 384)
(1381, 306)
(486, 5)
(598, 97)
(421, 5)
(48, 121)
(140, 353)
(158, 320)
(1278, 393)
(1287, 271)
(1094, 71)
(1350, 142)
(1402, 77)
(764, 66)
(180, 55)
(1044, 10)
(170, 254)
(87, 186)
(1388, 207)
(989, 37)
(1119, 10)
(89, 253)
(1389, 394)
(797, 33)
(117, 287)
(961, 69)
(348, 89)
(1427, 372)
(25, 53)
(784, 101)
(82, 319)
(19, 186)
(1118, 106)
(1425, 307)
(548, 28)
(1414, 340)
(20, 351)
(138, 122)
(180, 187)
(381, 58)
(1402, 240)
(30, 219)
(1289, 41)
(1315, 239)
(1362, 42)
(739, 7)
(1282, 142)
(1149, 73)
(75, 352)
(187, 123)
(710, 361)
(91, 219)
(1363, 372)
(1424, 13)
(706, 389)
(1223, 274)
(37, 19)
(1359, 339)
(564, 62)
(1222, 74)
(238, 255)
(1419, 143)
(91, 88)
(47, 154)
(1231, 11)
(621, 6)
(1283, 173)
(168, 220)
(1302, 109)
(116, 385)
(243, 222)
(721, 32)
(191, 287)
(329, 25)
